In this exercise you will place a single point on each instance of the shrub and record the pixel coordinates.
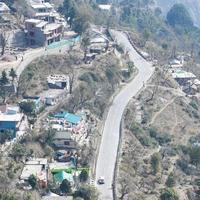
(169, 194)
(155, 162)
(65, 186)
(170, 180)
(87, 193)
(194, 105)
(83, 175)
(32, 181)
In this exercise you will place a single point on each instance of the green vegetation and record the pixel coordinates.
(18, 151)
(27, 107)
(7, 196)
(65, 187)
(32, 181)
(81, 13)
(171, 180)
(169, 194)
(87, 193)
(6, 135)
(83, 175)
(156, 163)
(179, 16)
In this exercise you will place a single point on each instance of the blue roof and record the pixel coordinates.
(60, 176)
(69, 117)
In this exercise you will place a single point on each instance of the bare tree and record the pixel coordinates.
(124, 189)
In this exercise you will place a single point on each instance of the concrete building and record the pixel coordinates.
(39, 32)
(183, 77)
(38, 168)
(4, 9)
(45, 11)
(10, 118)
(63, 139)
(58, 81)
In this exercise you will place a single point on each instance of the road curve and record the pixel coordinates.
(110, 137)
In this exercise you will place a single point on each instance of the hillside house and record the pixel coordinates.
(67, 118)
(183, 77)
(98, 42)
(10, 118)
(39, 32)
(63, 140)
(4, 9)
(38, 168)
(46, 12)
(60, 176)
(177, 62)
(57, 81)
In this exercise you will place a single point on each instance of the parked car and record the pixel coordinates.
(101, 180)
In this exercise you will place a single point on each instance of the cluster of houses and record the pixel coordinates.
(45, 24)
(64, 162)
(188, 81)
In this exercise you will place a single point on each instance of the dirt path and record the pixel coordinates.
(160, 111)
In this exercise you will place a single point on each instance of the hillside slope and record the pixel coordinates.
(193, 7)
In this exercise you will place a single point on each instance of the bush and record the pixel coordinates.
(65, 186)
(194, 105)
(155, 162)
(169, 194)
(89, 77)
(170, 180)
(32, 181)
(83, 175)
(194, 153)
(162, 138)
(87, 193)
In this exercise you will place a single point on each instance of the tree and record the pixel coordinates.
(170, 180)
(87, 193)
(124, 189)
(12, 74)
(27, 107)
(179, 16)
(83, 175)
(3, 40)
(7, 196)
(3, 81)
(85, 43)
(18, 151)
(194, 153)
(146, 35)
(32, 181)
(65, 186)
(169, 194)
(69, 10)
(155, 162)
(6, 135)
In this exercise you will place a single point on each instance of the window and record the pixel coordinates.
(66, 143)
(31, 33)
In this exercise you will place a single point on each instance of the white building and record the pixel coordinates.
(58, 81)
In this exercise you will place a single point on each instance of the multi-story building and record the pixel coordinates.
(45, 11)
(39, 32)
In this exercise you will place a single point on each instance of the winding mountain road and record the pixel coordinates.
(110, 137)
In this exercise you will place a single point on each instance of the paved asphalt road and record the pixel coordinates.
(110, 138)
(37, 53)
